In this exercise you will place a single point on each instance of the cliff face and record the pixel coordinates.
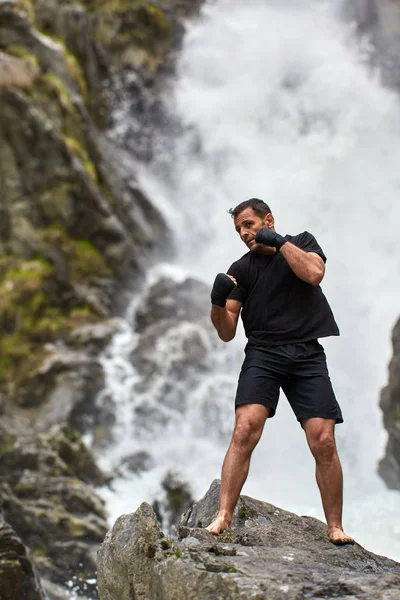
(73, 223)
(389, 466)
(76, 234)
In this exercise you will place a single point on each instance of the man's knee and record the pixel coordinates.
(246, 434)
(322, 445)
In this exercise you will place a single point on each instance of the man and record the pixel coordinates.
(275, 288)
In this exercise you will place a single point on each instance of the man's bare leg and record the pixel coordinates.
(250, 420)
(328, 470)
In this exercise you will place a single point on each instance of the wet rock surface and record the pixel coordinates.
(389, 466)
(174, 333)
(18, 577)
(267, 553)
(46, 497)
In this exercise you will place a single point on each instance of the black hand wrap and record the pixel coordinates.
(269, 238)
(223, 285)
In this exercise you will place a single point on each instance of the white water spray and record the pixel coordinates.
(277, 101)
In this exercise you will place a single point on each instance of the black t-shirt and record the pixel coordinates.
(279, 307)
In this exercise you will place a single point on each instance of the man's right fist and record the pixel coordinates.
(223, 285)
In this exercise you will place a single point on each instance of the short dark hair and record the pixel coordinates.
(260, 207)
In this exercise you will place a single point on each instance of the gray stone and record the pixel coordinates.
(18, 577)
(389, 466)
(266, 554)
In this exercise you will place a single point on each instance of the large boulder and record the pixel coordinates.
(267, 553)
(389, 466)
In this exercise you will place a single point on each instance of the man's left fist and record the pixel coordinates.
(269, 238)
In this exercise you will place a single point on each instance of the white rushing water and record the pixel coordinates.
(277, 101)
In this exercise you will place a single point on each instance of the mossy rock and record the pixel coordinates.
(30, 312)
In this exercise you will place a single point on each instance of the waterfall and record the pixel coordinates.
(278, 100)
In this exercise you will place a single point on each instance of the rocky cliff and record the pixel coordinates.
(389, 466)
(267, 553)
(76, 234)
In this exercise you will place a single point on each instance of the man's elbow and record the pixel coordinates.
(316, 276)
(226, 337)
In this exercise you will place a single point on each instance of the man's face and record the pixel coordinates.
(247, 223)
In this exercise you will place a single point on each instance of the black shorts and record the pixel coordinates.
(299, 369)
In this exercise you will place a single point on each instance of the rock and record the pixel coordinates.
(72, 376)
(18, 577)
(173, 301)
(74, 222)
(94, 337)
(17, 72)
(175, 346)
(178, 498)
(138, 462)
(266, 554)
(389, 466)
(379, 21)
(47, 500)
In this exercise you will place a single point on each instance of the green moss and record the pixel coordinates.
(242, 512)
(83, 258)
(232, 570)
(57, 89)
(178, 552)
(22, 52)
(123, 27)
(7, 442)
(25, 489)
(29, 316)
(165, 544)
(200, 524)
(76, 73)
(225, 537)
(76, 527)
(86, 261)
(27, 8)
(79, 151)
(38, 551)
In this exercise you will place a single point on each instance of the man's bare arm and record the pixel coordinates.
(308, 266)
(225, 319)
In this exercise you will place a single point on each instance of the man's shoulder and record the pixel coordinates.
(306, 241)
(300, 238)
(243, 260)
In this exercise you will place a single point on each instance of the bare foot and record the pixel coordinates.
(338, 536)
(219, 525)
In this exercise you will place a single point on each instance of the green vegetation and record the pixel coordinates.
(225, 537)
(26, 7)
(22, 52)
(38, 551)
(76, 72)
(134, 31)
(7, 442)
(57, 90)
(31, 309)
(79, 151)
(242, 512)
